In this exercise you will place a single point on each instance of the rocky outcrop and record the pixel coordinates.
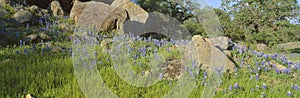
(56, 9)
(135, 12)
(221, 42)
(207, 56)
(3, 2)
(103, 16)
(23, 16)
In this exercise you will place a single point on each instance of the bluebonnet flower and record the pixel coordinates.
(284, 61)
(264, 86)
(277, 71)
(205, 75)
(143, 72)
(168, 49)
(91, 66)
(115, 66)
(191, 73)
(257, 87)
(34, 47)
(274, 56)
(25, 51)
(296, 87)
(230, 87)
(234, 47)
(17, 52)
(95, 53)
(255, 52)
(290, 63)
(136, 56)
(236, 86)
(156, 42)
(263, 95)
(84, 64)
(256, 77)
(266, 56)
(21, 43)
(288, 70)
(289, 93)
(266, 69)
(256, 63)
(240, 50)
(252, 89)
(100, 62)
(230, 41)
(160, 76)
(263, 62)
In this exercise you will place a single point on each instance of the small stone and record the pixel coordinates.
(23, 16)
(30, 96)
(44, 36)
(56, 9)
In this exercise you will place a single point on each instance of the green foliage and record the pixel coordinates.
(168, 7)
(262, 21)
(194, 27)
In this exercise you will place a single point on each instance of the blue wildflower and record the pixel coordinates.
(264, 86)
(236, 85)
(252, 89)
(296, 87)
(256, 77)
(289, 93)
(26, 51)
(277, 71)
(205, 75)
(230, 87)
(160, 76)
(143, 72)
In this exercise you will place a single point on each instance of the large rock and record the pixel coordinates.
(56, 8)
(23, 16)
(3, 2)
(221, 42)
(103, 16)
(207, 56)
(135, 12)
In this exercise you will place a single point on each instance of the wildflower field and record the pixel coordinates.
(38, 70)
(51, 68)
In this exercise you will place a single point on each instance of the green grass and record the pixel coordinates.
(52, 75)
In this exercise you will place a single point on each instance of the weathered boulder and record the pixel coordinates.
(56, 9)
(30, 96)
(32, 38)
(207, 56)
(36, 11)
(103, 16)
(135, 12)
(23, 16)
(261, 47)
(3, 2)
(76, 10)
(221, 42)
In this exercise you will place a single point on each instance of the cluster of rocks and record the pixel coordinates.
(207, 53)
